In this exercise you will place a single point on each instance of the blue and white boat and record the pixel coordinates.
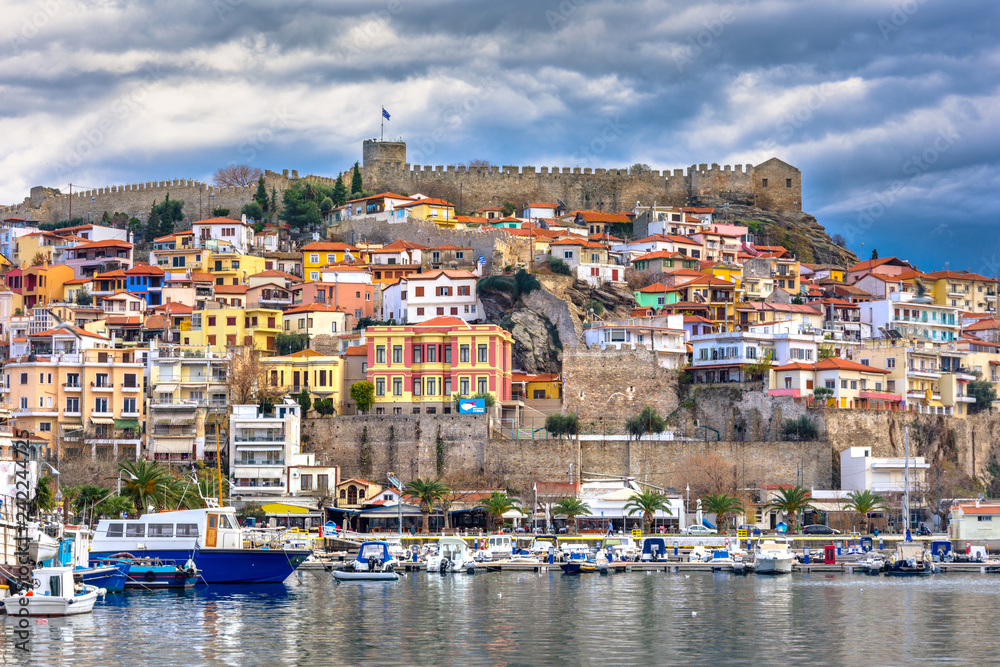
(210, 537)
(373, 563)
(73, 551)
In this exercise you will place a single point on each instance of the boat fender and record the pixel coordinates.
(150, 575)
(190, 572)
(179, 577)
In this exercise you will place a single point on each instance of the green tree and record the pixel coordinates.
(260, 197)
(802, 428)
(426, 492)
(304, 401)
(559, 424)
(45, 498)
(152, 484)
(863, 503)
(759, 369)
(558, 266)
(826, 351)
(164, 216)
(252, 510)
(647, 503)
(88, 495)
(357, 186)
(647, 421)
(326, 204)
(220, 212)
(571, 508)
(874, 253)
(84, 297)
(272, 207)
(114, 507)
(253, 211)
(640, 169)
(290, 343)
(790, 502)
(363, 395)
(721, 505)
(822, 394)
(324, 407)
(984, 393)
(300, 212)
(507, 209)
(496, 505)
(339, 192)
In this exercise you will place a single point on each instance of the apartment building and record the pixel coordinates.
(913, 317)
(222, 328)
(321, 375)
(261, 445)
(86, 259)
(235, 233)
(433, 294)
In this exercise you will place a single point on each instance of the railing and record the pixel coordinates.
(279, 439)
(255, 462)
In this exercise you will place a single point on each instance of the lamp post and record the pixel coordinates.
(134, 479)
(58, 490)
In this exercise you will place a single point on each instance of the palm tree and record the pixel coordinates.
(45, 499)
(721, 505)
(113, 506)
(498, 504)
(148, 483)
(648, 502)
(864, 503)
(69, 494)
(426, 492)
(88, 496)
(790, 502)
(571, 508)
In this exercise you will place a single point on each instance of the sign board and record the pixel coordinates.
(636, 533)
(472, 406)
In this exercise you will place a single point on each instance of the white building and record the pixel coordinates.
(536, 210)
(261, 447)
(719, 357)
(421, 296)
(975, 520)
(238, 233)
(912, 318)
(663, 335)
(860, 471)
(607, 500)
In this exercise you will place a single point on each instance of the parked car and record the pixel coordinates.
(819, 529)
(697, 529)
(753, 531)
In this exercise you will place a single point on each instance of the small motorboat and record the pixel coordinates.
(579, 567)
(452, 556)
(773, 556)
(699, 554)
(41, 546)
(149, 572)
(373, 563)
(910, 560)
(874, 563)
(53, 593)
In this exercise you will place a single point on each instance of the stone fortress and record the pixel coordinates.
(771, 185)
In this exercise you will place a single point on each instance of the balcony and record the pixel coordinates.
(785, 392)
(70, 413)
(95, 386)
(880, 396)
(259, 462)
(131, 388)
(130, 415)
(278, 439)
(72, 387)
(917, 395)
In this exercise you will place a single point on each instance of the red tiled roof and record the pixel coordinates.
(657, 288)
(271, 273)
(960, 275)
(984, 508)
(117, 273)
(437, 273)
(329, 245)
(201, 277)
(603, 216)
(219, 221)
(442, 321)
(144, 270)
(67, 327)
(843, 364)
(315, 308)
(357, 351)
(400, 244)
(231, 289)
(542, 377)
(110, 243)
(870, 264)
(430, 201)
(448, 246)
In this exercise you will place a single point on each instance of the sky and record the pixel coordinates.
(885, 106)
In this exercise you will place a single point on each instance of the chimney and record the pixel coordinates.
(977, 502)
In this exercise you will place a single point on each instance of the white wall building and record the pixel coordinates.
(930, 321)
(261, 447)
(664, 336)
(719, 357)
(421, 296)
(860, 471)
(224, 230)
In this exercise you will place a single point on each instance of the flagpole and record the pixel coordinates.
(382, 117)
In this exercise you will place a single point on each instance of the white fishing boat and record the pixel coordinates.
(619, 548)
(773, 556)
(699, 554)
(41, 546)
(452, 556)
(373, 563)
(53, 594)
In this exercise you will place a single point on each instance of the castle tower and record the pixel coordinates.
(381, 162)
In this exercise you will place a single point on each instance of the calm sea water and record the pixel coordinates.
(532, 619)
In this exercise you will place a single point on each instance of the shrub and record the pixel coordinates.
(560, 425)
(560, 267)
(802, 428)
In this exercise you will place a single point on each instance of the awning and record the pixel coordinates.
(165, 388)
(126, 423)
(514, 514)
(284, 508)
(935, 404)
(102, 420)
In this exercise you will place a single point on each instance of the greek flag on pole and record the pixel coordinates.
(385, 114)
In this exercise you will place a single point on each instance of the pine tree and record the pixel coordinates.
(261, 195)
(356, 184)
(273, 206)
(339, 192)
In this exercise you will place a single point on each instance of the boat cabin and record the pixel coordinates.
(453, 548)
(211, 528)
(376, 550)
(56, 582)
(500, 544)
(654, 548)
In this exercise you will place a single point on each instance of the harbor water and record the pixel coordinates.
(527, 618)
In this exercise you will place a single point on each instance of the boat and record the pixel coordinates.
(373, 563)
(874, 563)
(211, 537)
(452, 556)
(576, 551)
(654, 549)
(54, 593)
(74, 552)
(910, 560)
(724, 559)
(619, 548)
(773, 556)
(494, 547)
(41, 546)
(579, 567)
(150, 573)
(699, 554)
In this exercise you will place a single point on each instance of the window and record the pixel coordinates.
(854, 384)
(420, 312)
(459, 254)
(322, 482)
(463, 355)
(100, 404)
(45, 426)
(463, 386)
(843, 384)
(440, 311)
(115, 529)
(73, 404)
(331, 258)
(788, 182)
(135, 530)
(482, 385)
(432, 354)
(763, 182)
(447, 354)
(483, 354)
(431, 387)
(890, 362)
(72, 379)
(567, 254)
(380, 387)
(418, 291)
(211, 339)
(830, 384)
(397, 386)
(187, 530)
(307, 482)
(446, 391)
(24, 378)
(314, 258)
(417, 382)
(380, 354)
(397, 354)
(128, 405)
(130, 380)
(161, 530)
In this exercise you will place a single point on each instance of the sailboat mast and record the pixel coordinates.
(906, 476)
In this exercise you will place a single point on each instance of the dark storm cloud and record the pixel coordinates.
(849, 91)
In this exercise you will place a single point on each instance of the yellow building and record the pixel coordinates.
(728, 272)
(77, 393)
(321, 375)
(418, 368)
(545, 386)
(322, 253)
(230, 268)
(313, 319)
(971, 292)
(438, 211)
(176, 253)
(222, 328)
(44, 284)
(27, 247)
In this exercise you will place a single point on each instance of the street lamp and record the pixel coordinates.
(134, 479)
(58, 490)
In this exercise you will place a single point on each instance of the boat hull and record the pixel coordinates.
(578, 568)
(109, 577)
(909, 573)
(231, 566)
(341, 575)
(773, 566)
(42, 605)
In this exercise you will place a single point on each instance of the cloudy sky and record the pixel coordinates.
(885, 105)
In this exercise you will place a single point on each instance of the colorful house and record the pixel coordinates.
(223, 328)
(44, 284)
(664, 261)
(656, 295)
(233, 269)
(145, 281)
(318, 254)
(322, 376)
(438, 211)
(418, 368)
